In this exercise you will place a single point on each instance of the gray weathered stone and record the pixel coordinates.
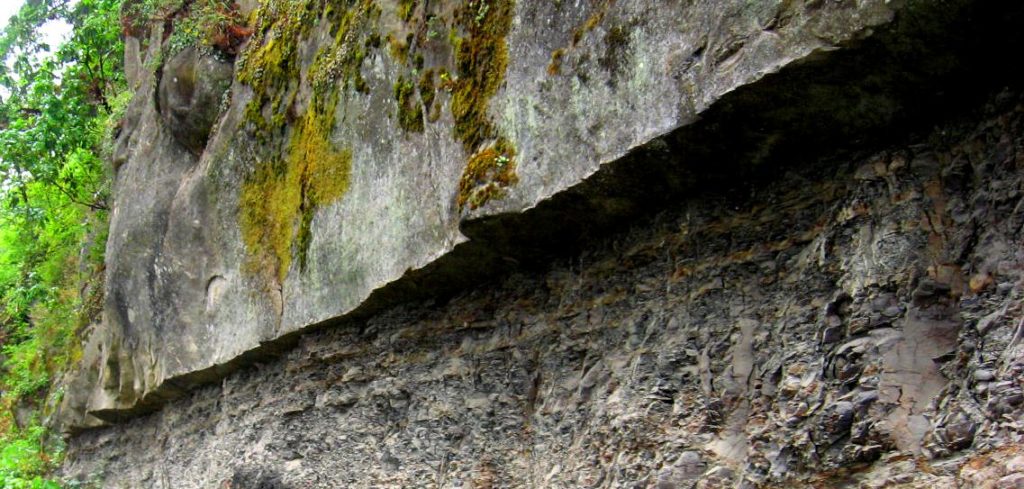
(535, 380)
(791, 305)
(184, 303)
(190, 94)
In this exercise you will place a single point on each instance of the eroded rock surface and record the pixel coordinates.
(361, 145)
(179, 220)
(853, 321)
(191, 93)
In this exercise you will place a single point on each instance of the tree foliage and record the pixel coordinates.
(58, 107)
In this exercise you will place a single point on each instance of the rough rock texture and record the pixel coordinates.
(358, 147)
(486, 243)
(190, 92)
(850, 321)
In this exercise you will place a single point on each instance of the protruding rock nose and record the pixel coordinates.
(190, 95)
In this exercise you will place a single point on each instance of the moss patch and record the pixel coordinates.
(489, 172)
(428, 93)
(477, 39)
(555, 66)
(410, 112)
(279, 200)
(305, 171)
(398, 48)
(415, 36)
(342, 61)
(271, 64)
(481, 59)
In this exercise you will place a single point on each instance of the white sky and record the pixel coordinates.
(52, 33)
(7, 9)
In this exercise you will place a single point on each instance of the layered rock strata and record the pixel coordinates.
(366, 154)
(851, 321)
(558, 244)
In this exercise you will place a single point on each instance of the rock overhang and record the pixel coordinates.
(600, 137)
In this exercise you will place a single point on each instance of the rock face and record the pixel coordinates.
(360, 147)
(690, 244)
(849, 322)
(190, 93)
(358, 140)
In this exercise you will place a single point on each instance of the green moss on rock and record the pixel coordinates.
(481, 59)
(487, 176)
(305, 171)
(405, 9)
(410, 113)
(308, 171)
(342, 61)
(398, 48)
(428, 93)
(279, 200)
(271, 64)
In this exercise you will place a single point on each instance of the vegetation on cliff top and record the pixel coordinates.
(58, 104)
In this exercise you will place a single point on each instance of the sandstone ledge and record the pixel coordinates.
(735, 99)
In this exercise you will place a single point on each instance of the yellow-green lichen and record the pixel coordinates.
(278, 201)
(489, 172)
(306, 171)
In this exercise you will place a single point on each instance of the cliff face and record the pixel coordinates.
(814, 278)
(852, 321)
(354, 139)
